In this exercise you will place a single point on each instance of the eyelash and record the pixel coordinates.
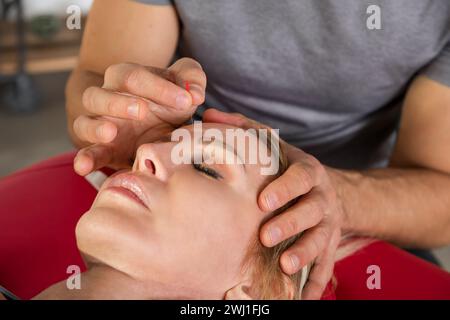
(209, 172)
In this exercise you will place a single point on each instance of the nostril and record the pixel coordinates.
(150, 165)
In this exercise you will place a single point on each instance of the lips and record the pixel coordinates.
(128, 185)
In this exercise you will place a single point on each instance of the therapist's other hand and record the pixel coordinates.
(135, 105)
(318, 211)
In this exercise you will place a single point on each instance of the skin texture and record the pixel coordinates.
(405, 203)
(155, 94)
(192, 228)
(112, 99)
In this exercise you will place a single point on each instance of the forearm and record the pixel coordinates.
(79, 81)
(410, 207)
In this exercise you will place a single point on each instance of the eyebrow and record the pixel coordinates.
(227, 148)
(165, 138)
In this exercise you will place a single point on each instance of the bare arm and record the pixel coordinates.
(409, 202)
(119, 31)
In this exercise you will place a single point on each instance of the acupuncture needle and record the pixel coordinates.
(186, 85)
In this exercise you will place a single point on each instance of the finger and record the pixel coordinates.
(92, 158)
(100, 101)
(146, 83)
(310, 245)
(234, 119)
(304, 214)
(94, 130)
(241, 121)
(321, 272)
(189, 71)
(297, 180)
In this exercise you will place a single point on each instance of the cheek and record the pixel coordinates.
(209, 230)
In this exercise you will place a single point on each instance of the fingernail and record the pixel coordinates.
(133, 111)
(295, 263)
(182, 101)
(274, 235)
(271, 201)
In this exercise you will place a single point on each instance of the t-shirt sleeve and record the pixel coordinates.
(156, 2)
(439, 68)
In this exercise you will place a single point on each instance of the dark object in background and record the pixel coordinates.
(45, 26)
(18, 93)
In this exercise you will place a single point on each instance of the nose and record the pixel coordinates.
(154, 159)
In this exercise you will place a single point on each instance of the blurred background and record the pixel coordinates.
(37, 53)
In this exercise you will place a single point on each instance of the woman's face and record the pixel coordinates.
(187, 227)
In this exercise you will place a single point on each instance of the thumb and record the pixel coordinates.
(92, 158)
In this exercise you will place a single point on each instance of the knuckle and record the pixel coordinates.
(323, 237)
(302, 175)
(283, 192)
(88, 97)
(78, 125)
(133, 77)
(112, 70)
(161, 90)
(311, 160)
(110, 106)
(317, 208)
(314, 247)
(335, 239)
(292, 226)
(318, 242)
(316, 166)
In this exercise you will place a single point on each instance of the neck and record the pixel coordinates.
(101, 282)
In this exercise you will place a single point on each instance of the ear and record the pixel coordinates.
(241, 291)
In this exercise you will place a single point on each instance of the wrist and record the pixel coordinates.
(343, 182)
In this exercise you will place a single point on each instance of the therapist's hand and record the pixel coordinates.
(135, 105)
(318, 212)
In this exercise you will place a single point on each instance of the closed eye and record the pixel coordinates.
(208, 171)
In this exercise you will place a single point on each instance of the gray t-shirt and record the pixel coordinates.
(314, 70)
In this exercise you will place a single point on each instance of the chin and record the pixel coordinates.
(83, 234)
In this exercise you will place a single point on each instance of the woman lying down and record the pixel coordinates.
(188, 231)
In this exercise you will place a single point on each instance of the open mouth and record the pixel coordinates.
(129, 186)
